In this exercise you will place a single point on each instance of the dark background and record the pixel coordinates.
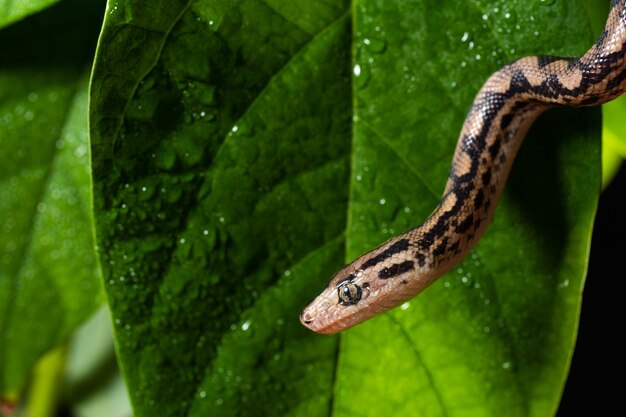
(595, 382)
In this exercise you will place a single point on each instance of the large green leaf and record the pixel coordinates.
(244, 150)
(49, 280)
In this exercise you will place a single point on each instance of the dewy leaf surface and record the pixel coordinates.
(244, 150)
(49, 280)
(494, 336)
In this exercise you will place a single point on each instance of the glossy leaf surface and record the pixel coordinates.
(243, 151)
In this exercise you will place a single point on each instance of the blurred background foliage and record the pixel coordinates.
(49, 277)
(72, 367)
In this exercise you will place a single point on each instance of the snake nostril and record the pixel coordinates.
(306, 318)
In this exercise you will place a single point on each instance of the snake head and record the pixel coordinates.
(346, 295)
(374, 283)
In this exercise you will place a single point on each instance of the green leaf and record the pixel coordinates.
(11, 10)
(49, 279)
(613, 118)
(613, 138)
(243, 151)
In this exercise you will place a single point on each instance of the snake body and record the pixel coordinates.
(501, 114)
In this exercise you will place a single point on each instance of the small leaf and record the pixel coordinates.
(243, 151)
(613, 116)
(11, 11)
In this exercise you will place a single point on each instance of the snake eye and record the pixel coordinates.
(349, 293)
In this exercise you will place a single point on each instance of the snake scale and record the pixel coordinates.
(501, 114)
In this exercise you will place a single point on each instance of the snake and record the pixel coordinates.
(501, 114)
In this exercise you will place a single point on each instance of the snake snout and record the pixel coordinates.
(306, 317)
